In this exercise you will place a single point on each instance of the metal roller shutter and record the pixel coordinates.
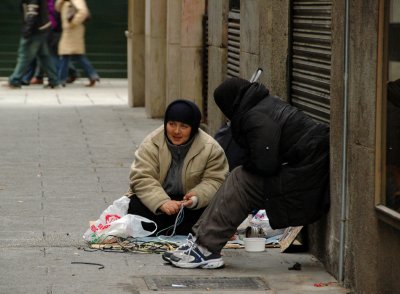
(311, 58)
(10, 32)
(205, 68)
(233, 62)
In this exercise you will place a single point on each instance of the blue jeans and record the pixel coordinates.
(32, 69)
(82, 60)
(29, 49)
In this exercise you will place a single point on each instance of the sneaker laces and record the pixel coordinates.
(190, 239)
(190, 242)
(193, 247)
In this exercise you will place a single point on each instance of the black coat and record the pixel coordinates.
(289, 149)
(234, 153)
(35, 17)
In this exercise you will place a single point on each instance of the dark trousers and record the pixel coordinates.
(29, 49)
(238, 196)
(164, 221)
(65, 61)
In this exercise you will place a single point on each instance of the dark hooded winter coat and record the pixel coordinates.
(284, 145)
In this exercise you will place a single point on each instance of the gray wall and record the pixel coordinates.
(371, 259)
(373, 246)
(217, 56)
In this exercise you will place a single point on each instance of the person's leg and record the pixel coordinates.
(27, 51)
(26, 78)
(53, 40)
(39, 73)
(38, 76)
(238, 196)
(72, 73)
(63, 69)
(88, 68)
(190, 217)
(47, 62)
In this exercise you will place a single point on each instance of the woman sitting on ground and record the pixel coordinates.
(177, 165)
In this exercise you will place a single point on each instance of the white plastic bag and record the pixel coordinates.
(114, 221)
(130, 225)
(261, 220)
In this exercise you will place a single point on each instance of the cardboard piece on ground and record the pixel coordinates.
(288, 237)
(233, 246)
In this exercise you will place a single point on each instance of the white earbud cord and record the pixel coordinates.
(178, 220)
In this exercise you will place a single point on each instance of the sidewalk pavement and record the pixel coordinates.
(65, 156)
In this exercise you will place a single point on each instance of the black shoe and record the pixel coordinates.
(92, 83)
(49, 86)
(71, 79)
(11, 86)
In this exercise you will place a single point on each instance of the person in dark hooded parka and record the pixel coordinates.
(285, 171)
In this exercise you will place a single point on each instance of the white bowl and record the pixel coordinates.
(254, 244)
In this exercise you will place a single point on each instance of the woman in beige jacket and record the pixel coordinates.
(72, 42)
(177, 166)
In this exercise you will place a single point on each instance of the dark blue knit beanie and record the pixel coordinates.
(184, 111)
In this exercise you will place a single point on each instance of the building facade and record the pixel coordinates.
(336, 60)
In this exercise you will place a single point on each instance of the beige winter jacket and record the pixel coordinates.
(73, 33)
(204, 169)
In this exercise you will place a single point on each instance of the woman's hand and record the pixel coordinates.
(171, 207)
(190, 200)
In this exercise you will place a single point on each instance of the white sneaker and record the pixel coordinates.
(196, 256)
(183, 247)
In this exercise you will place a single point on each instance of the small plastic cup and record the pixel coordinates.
(254, 244)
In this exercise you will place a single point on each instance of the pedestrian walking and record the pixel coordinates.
(33, 43)
(35, 74)
(71, 47)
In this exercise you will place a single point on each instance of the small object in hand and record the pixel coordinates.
(295, 267)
